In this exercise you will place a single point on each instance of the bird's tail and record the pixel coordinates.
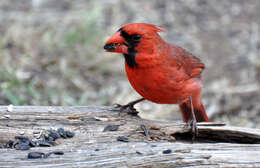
(199, 111)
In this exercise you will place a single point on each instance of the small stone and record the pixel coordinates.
(167, 151)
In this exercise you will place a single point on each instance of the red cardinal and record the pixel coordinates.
(160, 72)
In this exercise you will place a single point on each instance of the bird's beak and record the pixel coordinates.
(116, 43)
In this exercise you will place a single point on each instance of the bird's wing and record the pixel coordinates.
(191, 65)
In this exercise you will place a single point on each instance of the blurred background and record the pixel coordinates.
(51, 53)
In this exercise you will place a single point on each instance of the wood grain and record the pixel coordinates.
(91, 147)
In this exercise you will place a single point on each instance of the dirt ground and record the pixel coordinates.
(51, 53)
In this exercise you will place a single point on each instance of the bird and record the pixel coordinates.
(159, 71)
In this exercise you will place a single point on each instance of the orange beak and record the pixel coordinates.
(116, 43)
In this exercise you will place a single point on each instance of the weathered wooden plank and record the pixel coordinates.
(91, 147)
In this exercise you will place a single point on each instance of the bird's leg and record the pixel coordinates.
(193, 122)
(129, 108)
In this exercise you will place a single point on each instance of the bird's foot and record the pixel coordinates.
(194, 128)
(193, 122)
(128, 108)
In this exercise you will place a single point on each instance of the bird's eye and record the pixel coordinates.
(136, 37)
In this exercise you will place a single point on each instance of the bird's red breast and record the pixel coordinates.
(160, 78)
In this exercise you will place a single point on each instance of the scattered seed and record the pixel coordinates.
(122, 139)
(62, 132)
(39, 155)
(111, 128)
(36, 132)
(58, 152)
(47, 154)
(48, 139)
(55, 153)
(44, 143)
(167, 151)
(54, 134)
(139, 153)
(69, 134)
(9, 144)
(32, 143)
(22, 145)
(36, 155)
(21, 138)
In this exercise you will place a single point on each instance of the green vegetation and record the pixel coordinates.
(51, 62)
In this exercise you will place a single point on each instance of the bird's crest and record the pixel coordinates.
(131, 27)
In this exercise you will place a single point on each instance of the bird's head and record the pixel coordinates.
(132, 36)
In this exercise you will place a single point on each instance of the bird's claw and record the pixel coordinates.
(194, 128)
(128, 108)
